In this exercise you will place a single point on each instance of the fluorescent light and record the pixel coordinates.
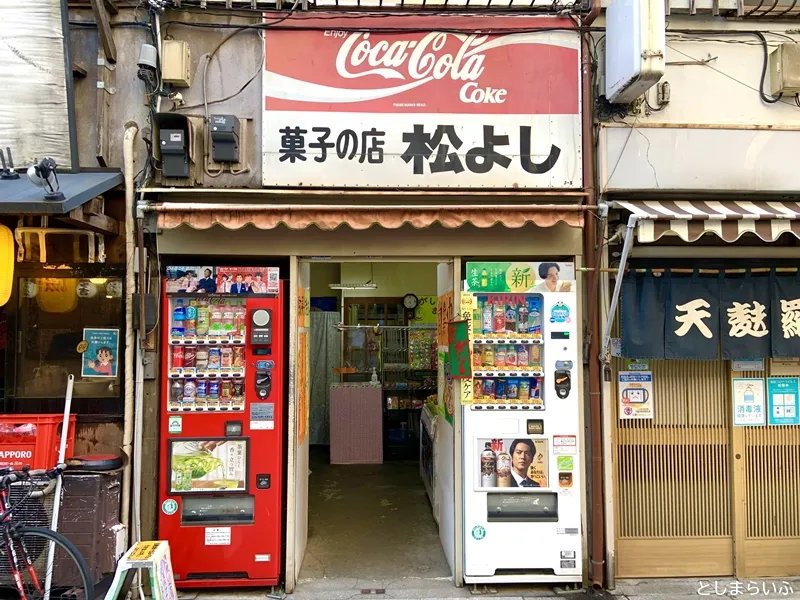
(353, 286)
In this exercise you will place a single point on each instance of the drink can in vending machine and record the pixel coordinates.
(189, 390)
(177, 357)
(238, 391)
(201, 362)
(476, 356)
(226, 357)
(213, 390)
(214, 358)
(226, 392)
(238, 357)
(202, 389)
(189, 357)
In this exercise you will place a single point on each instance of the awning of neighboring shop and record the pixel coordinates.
(731, 219)
(359, 217)
(20, 196)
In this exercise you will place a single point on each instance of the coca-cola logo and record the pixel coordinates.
(420, 61)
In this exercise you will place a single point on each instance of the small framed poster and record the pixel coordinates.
(101, 357)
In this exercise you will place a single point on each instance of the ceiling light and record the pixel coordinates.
(353, 286)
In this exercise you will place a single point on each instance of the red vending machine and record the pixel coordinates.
(221, 442)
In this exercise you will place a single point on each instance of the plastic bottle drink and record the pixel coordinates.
(488, 325)
(488, 466)
(190, 320)
(500, 318)
(503, 468)
(240, 319)
(227, 318)
(178, 317)
(215, 321)
(203, 317)
(522, 318)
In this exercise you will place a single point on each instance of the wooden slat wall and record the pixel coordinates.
(772, 479)
(673, 475)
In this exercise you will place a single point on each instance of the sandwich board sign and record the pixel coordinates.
(152, 556)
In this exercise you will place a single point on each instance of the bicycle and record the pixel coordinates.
(26, 547)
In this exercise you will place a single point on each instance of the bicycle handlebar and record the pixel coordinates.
(9, 476)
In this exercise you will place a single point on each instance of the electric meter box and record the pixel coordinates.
(784, 69)
(174, 153)
(635, 47)
(176, 63)
(224, 138)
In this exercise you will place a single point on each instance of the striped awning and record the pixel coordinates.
(729, 219)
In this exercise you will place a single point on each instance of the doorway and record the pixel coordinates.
(375, 495)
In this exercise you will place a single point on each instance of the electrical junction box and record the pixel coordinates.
(176, 63)
(635, 47)
(174, 152)
(224, 130)
(784, 69)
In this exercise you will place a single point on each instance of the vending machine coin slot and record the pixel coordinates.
(263, 384)
(562, 382)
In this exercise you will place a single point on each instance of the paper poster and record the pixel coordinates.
(511, 463)
(302, 386)
(191, 280)
(635, 394)
(101, 356)
(208, 465)
(748, 402)
(520, 277)
(248, 280)
(783, 393)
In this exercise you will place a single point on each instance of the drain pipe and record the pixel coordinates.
(131, 130)
(597, 554)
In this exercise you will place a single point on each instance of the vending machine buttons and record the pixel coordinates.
(260, 326)
(563, 383)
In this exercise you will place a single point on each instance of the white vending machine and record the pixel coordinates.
(521, 438)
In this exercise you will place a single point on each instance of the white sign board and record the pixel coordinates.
(635, 394)
(421, 108)
(748, 402)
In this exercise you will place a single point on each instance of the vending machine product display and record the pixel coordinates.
(521, 432)
(221, 442)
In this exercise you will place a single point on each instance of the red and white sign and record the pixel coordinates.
(413, 107)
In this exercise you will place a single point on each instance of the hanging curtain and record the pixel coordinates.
(324, 354)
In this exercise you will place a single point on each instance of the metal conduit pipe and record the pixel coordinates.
(597, 553)
(131, 130)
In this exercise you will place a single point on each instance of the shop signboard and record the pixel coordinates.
(691, 317)
(783, 394)
(401, 104)
(520, 277)
(460, 362)
(636, 395)
(748, 401)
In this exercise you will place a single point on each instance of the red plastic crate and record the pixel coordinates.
(39, 451)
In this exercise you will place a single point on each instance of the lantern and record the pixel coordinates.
(86, 288)
(6, 263)
(29, 289)
(56, 294)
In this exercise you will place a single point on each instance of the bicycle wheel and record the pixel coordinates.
(70, 576)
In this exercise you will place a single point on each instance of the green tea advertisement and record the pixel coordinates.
(208, 466)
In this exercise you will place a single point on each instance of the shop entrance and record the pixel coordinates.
(380, 501)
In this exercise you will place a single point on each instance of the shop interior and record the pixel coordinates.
(372, 421)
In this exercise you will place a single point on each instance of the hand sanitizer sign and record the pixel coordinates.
(748, 402)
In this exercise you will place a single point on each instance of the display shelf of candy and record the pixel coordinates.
(428, 383)
(404, 403)
(212, 363)
(422, 350)
(395, 367)
(356, 384)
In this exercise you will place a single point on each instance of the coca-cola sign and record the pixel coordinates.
(445, 73)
